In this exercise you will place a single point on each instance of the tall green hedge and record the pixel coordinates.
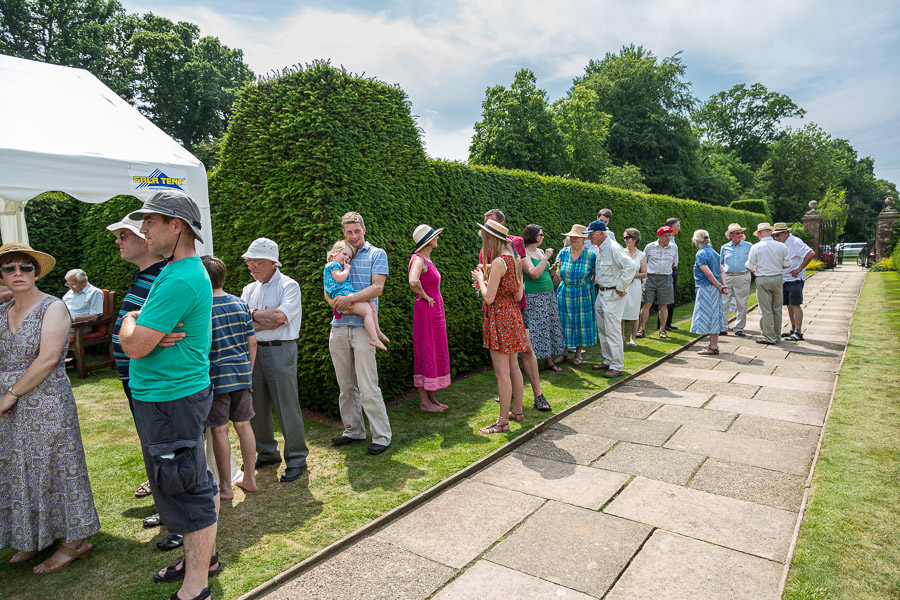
(754, 206)
(54, 226)
(307, 147)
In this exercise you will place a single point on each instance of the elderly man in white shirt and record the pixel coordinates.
(767, 260)
(274, 301)
(613, 275)
(794, 278)
(84, 301)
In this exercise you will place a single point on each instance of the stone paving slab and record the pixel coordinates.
(832, 363)
(779, 411)
(662, 396)
(762, 486)
(586, 551)
(650, 462)
(640, 431)
(461, 523)
(554, 480)
(773, 394)
(660, 381)
(726, 355)
(674, 567)
(804, 371)
(754, 366)
(368, 570)
(688, 373)
(738, 448)
(714, 387)
(736, 524)
(694, 362)
(786, 383)
(795, 434)
(699, 417)
(566, 445)
(622, 407)
(485, 579)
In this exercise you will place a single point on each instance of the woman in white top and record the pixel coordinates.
(632, 312)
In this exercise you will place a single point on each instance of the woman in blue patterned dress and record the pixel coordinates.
(45, 494)
(575, 296)
(707, 318)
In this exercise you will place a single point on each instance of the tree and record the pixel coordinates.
(516, 130)
(626, 177)
(73, 33)
(801, 167)
(833, 207)
(648, 103)
(583, 131)
(188, 84)
(746, 120)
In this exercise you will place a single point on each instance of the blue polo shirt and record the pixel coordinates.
(368, 261)
(734, 258)
(709, 257)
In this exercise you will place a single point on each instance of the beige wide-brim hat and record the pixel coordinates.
(576, 231)
(45, 261)
(733, 228)
(263, 248)
(780, 227)
(423, 235)
(132, 225)
(495, 229)
(762, 227)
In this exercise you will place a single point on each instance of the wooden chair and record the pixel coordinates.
(94, 333)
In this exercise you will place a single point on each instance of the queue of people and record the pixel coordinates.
(192, 358)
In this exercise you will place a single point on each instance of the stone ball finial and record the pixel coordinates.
(813, 204)
(889, 202)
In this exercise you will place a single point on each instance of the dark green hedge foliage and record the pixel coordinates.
(54, 226)
(754, 206)
(305, 148)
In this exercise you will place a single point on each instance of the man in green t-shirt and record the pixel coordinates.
(171, 387)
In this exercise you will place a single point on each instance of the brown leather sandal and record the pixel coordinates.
(50, 565)
(497, 427)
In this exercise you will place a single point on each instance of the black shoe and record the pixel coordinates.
(292, 474)
(170, 542)
(377, 448)
(261, 462)
(795, 337)
(671, 328)
(788, 334)
(153, 521)
(723, 332)
(203, 595)
(344, 440)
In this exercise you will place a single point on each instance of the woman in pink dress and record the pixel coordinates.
(431, 364)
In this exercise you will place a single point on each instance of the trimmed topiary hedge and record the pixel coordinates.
(754, 206)
(307, 147)
(54, 226)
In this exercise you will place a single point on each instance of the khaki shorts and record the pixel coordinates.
(658, 289)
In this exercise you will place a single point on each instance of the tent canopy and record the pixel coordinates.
(61, 129)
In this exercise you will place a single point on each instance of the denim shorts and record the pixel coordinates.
(792, 292)
(172, 444)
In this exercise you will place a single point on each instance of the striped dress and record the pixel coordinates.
(575, 298)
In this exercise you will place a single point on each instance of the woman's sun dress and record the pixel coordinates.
(575, 298)
(431, 355)
(502, 327)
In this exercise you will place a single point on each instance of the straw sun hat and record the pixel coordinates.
(576, 231)
(424, 234)
(45, 261)
(495, 229)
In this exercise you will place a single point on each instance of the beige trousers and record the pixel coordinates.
(769, 296)
(609, 308)
(739, 289)
(357, 376)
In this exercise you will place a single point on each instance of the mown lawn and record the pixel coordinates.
(261, 535)
(848, 547)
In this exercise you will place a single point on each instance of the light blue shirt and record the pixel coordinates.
(368, 261)
(734, 257)
(88, 301)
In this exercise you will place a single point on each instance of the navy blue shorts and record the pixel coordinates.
(172, 443)
(792, 292)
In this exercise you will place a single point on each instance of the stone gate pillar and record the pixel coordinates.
(813, 222)
(883, 226)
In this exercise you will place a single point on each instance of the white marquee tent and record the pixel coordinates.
(61, 129)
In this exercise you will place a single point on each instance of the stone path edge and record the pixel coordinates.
(414, 502)
(812, 467)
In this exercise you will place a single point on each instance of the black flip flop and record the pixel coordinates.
(173, 573)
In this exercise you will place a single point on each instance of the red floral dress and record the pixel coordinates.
(503, 329)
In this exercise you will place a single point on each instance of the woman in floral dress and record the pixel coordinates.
(503, 331)
(575, 295)
(45, 494)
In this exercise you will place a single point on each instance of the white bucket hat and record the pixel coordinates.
(263, 248)
(132, 225)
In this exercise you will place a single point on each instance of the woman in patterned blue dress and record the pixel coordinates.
(707, 317)
(575, 296)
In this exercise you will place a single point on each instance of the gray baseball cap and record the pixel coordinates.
(172, 204)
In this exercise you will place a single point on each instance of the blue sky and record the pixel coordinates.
(838, 60)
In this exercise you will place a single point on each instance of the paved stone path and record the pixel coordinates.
(687, 482)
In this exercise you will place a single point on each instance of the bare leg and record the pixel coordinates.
(435, 402)
(663, 315)
(714, 341)
(518, 385)
(634, 328)
(427, 402)
(796, 315)
(645, 314)
(501, 364)
(222, 452)
(248, 454)
(530, 365)
(365, 311)
(198, 548)
(381, 335)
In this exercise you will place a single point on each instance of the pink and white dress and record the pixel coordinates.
(431, 364)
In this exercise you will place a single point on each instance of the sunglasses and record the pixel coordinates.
(627, 237)
(10, 269)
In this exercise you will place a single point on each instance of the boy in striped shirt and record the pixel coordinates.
(231, 360)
